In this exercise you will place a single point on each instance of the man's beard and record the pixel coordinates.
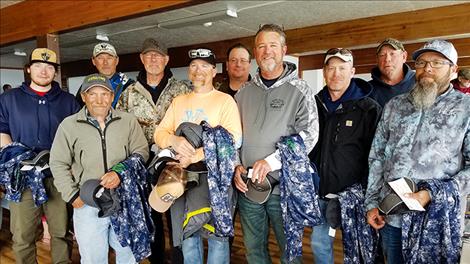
(268, 65)
(425, 92)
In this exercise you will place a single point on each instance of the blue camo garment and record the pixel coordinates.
(220, 155)
(421, 145)
(359, 238)
(299, 199)
(10, 157)
(132, 223)
(433, 236)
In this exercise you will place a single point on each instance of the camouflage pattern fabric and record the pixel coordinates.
(433, 236)
(359, 238)
(137, 100)
(220, 155)
(10, 156)
(299, 199)
(132, 223)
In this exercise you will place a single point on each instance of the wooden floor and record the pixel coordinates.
(237, 255)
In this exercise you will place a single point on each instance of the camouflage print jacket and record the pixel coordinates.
(137, 100)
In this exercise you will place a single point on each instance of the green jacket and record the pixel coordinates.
(81, 151)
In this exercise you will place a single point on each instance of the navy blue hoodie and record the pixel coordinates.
(31, 119)
(382, 92)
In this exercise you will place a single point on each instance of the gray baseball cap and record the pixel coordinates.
(95, 79)
(151, 44)
(440, 46)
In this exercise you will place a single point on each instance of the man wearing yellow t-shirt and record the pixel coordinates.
(204, 103)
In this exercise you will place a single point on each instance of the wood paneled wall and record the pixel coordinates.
(32, 18)
(365, 59)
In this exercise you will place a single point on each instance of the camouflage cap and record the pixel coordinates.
(397, 45)
(440, 46)
(465, 73)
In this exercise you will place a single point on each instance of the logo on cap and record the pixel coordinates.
(45, 56)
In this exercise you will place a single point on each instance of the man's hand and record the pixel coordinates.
(422, 196)
(78, 203)
(237, 179)
(110, 180)
(260, 169)
(182, 146)
(374, 219)
(183, 161)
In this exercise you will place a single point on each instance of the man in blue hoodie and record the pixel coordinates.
(392, 76)
(30, 115)
(347, 119)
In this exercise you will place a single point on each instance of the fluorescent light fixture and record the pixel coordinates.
(102, 37)
(19, 53)
(198, 19)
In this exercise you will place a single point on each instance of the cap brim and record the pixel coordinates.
(175, 189)
(418, 53)
(48, 62)
(88, 190)
(257, 195)
(97, 85)
(207, 59)
(339, 56)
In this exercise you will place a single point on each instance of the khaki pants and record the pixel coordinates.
(25, 219)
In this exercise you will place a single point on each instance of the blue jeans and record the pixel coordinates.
(217, 252)
(255, 219)
(391, 244)
(320, 241)
(94, 236)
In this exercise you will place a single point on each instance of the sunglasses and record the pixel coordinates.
(341, 51)
(200, 53)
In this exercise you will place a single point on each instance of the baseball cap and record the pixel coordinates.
(95, 195)
(440, 46)
(343, 54)
(393, 204)
(104, 48)
(465, 73)
(397, 45)
(170, 186)
(202, 54)
(95, 79)
(258, 192)
(44, 55)
(151, 44)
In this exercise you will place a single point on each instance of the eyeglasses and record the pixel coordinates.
(341, 51)
(150, 55)
(200, 53)
(242, 61)
(434, 64)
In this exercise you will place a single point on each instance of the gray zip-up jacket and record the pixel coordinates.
(268, 113)
(81, 151)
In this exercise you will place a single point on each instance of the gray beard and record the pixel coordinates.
(424, 95)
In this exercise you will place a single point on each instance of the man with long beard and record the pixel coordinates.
(425, 136)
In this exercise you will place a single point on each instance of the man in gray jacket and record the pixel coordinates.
(275, 103)
(87, 146)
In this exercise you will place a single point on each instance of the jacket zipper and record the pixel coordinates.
(103, 141)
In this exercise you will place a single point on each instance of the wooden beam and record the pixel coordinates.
(31, 18)
(366, 58)
(405, 26)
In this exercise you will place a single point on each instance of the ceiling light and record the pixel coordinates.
(102, 37)
(198, 19)
(19, 53)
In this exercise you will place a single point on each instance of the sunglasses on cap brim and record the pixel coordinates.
(200, 53)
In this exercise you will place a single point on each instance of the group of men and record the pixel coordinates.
(358, 134)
